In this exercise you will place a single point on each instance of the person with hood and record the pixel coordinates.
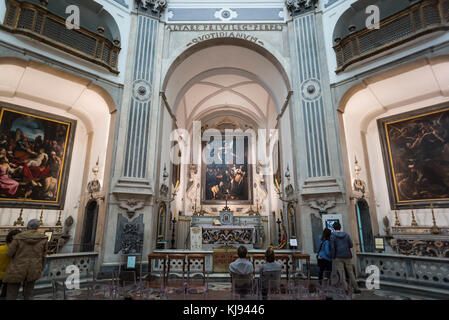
(4, 259)
(28, 253)
(340, 248)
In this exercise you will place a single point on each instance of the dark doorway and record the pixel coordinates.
(89, 226)
(364, 226)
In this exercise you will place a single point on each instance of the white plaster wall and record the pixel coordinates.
(330, 19)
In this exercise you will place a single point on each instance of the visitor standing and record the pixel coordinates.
(324, 258)
(28, 257)
(340, 248)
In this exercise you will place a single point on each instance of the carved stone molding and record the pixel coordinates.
(155, 6)
(322, 205)
(131, 206)
(300, 6)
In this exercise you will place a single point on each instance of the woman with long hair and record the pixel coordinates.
(324, 258)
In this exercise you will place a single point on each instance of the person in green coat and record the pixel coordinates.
(28, 253)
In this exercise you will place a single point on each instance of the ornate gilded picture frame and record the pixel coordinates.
(35, 155)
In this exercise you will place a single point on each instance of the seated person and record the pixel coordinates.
(241, 265)
(270, 268)
(241, 271)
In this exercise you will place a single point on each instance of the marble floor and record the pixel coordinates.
(222, 291)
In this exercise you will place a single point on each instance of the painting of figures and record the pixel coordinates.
(34, 157)
(416, 154)
(228, 176)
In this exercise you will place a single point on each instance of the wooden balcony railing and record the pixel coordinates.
(37, 22)
(417, 20)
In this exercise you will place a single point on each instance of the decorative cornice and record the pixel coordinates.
(156, 6)
(297, 7)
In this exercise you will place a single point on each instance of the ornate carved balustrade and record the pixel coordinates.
(56, 267)
(426, 273)
(417, 20)
(37, 22)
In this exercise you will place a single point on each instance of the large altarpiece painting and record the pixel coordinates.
(230, 175)
(416, 155)
(35, 152)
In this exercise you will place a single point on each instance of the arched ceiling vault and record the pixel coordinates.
(225, 77)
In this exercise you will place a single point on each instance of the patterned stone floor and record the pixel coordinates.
(221, 291)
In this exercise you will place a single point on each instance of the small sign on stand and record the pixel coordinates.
(293, 243)
(131, 263)
(379, 243)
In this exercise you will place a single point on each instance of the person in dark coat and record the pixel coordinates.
(28, 253)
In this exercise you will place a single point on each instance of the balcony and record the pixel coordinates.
(37, 22)
(420, 19)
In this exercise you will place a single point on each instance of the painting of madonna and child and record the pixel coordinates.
(416, 155)
(34, 157)
(227, 173)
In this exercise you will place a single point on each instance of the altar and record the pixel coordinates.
(239, 235)
(228, 229)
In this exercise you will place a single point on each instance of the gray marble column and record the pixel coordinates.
(318, 152)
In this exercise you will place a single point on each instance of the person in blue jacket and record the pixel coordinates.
(340, 248)
(324, 257)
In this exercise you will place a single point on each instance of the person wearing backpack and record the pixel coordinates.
(323, 254)
(340, 248)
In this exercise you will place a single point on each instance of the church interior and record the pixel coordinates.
(153, 139)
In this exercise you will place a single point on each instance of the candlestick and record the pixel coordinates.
(397, 223)
(279, 231)
(41, 219)
(58, 223)
(19, 221)
(435, 229)
(414, 223)
(173, 233)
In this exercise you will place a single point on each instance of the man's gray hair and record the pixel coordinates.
(33, 224)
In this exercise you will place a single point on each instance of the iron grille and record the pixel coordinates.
(10, 17)
(431, 15)
(26, 19)
(37, 22)
(416, 20)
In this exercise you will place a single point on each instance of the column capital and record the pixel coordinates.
(152, 7)
(297, 7)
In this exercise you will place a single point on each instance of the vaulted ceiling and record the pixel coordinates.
(225, 80)
(230, 91)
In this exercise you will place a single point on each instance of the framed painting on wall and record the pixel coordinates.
(415, 148)
(35, 155)
(230, 175)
